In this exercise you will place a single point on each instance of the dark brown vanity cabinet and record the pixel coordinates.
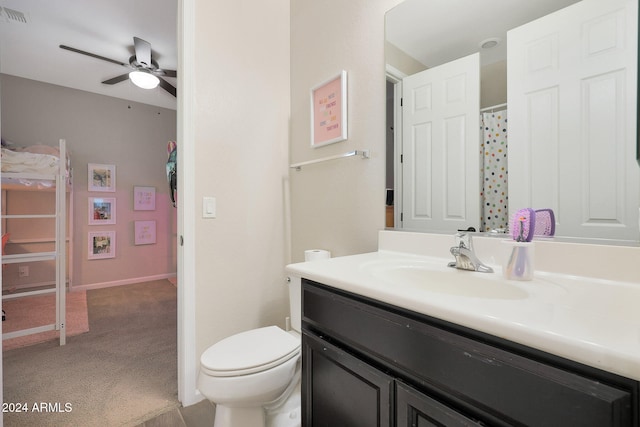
(366, 363)
(345, 390)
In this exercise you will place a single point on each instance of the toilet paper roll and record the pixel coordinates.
(316, 254)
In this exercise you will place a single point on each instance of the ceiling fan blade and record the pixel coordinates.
(143, 51)
(115, 80)
(93, 55)
(170, 73)
(167, 86)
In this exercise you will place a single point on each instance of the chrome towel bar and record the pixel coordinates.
(363, 153)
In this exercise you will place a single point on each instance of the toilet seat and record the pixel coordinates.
(249, 352)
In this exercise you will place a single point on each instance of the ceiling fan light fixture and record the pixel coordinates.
(144, 79)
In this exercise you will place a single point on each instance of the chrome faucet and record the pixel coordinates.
(466, 259)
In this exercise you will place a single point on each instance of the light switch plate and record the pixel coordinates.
(208, 207)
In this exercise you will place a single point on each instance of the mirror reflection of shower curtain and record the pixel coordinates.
(494, 197)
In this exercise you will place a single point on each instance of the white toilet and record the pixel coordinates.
(254, 376)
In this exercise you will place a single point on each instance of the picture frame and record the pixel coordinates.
(144, 198)
(101, 244)
(145, 232)
(101, 177)
(329, 111)
(102, 210)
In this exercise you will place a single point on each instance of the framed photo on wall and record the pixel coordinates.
(101, 244)
(102, 177)
(145, 232)
(102, 210)
(329, 111)
(144, 198)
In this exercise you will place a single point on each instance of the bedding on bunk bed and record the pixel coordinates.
(33, 159)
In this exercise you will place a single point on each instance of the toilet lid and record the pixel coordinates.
(249, 352)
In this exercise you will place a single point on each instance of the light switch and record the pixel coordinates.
(208, 207)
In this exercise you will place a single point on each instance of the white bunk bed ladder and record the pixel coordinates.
(61, 239)
(59, 254)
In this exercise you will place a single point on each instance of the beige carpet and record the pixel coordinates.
(34, 311)
(121, 372)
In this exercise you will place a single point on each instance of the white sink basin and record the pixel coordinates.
(437, 277)
(591, 320)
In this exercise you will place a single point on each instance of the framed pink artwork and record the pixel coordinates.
(145, 232)
(329, 111)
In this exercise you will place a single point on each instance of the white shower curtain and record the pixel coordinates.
(494, 197)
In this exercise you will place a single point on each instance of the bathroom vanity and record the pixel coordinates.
(394, 338)
(366, 363)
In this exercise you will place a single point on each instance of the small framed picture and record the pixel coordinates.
(102, 177)
(144, 198)
(329, 111)
(102, 210)
(145, 232)
(101, 244)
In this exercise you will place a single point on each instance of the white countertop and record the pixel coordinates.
(592, 321)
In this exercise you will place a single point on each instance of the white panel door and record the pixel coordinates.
(440, 148)
(572, 87)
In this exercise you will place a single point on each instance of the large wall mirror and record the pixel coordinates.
(497, 105)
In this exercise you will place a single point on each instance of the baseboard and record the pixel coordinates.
(192, 399)
(15, 289)
(122, 282)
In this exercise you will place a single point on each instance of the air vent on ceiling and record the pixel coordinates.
(12, 15)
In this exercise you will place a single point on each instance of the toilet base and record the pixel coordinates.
(288, 414)
(239, 416)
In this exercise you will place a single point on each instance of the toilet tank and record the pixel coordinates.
(295, 302)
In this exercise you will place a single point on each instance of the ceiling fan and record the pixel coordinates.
(145, 71)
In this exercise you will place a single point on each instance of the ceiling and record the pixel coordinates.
(438, 31)
(107, 27)
(103, 27)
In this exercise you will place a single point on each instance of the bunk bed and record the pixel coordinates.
(39, 169)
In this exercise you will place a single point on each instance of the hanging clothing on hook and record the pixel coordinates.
(172, 150)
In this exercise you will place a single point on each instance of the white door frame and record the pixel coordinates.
(187, 359)
(395, 76)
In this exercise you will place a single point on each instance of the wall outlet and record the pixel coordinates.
(23, 271)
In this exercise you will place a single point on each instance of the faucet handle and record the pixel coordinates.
(463, 238)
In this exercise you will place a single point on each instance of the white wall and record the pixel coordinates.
(254, 63)
(339, 205)
(493, 84)
(402, 61)
(102, 129)
(240, 131)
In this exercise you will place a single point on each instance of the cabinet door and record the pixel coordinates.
(415, 409)
(341, 390)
